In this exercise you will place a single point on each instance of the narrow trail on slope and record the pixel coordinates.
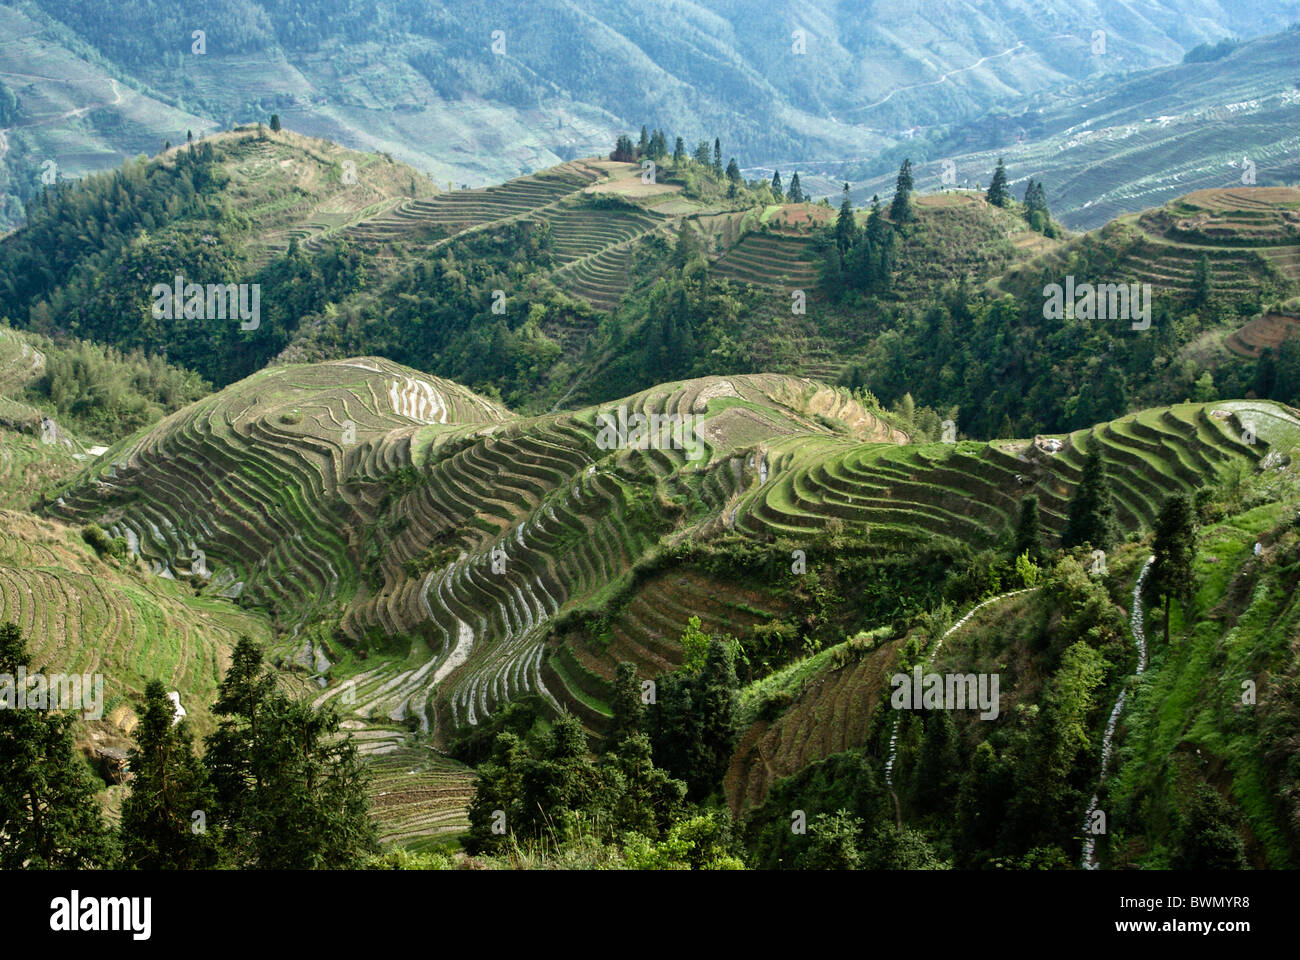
(1137, 622)
(893, 737)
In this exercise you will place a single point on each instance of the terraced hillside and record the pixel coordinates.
(250, 491)
(87, 615)
(423, 221)
(303, 188)
(445, 537)
(1249, 236)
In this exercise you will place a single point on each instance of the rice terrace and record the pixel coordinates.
(832, 441)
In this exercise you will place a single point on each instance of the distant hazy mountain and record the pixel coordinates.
(481, 91)
(1112, 146)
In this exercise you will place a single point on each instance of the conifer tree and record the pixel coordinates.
(777, 190)
(1029, 532)
(796, 194)
(1174, 550)
(679, 152)
(846, 228)
(1092, 511)
(900, 211)
(49, 817)
(643, 145)
(717, 156)
(733, 172)
(169, 786)
(997, 192)
(290, 793)
(626, 704)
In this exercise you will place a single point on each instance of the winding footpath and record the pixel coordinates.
(1137, 622)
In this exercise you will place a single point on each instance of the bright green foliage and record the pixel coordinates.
(695, 647)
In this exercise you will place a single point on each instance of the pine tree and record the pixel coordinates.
(733, 172)
(1092, 511)
(679, 152)
(900, 211)
(717, 157)
(1175, 547)
(275, 123)
(168, 787)
(702, 153)
(1029, 532)
(643, 145)
(796, 194)
(626, 705)
(49, 817)
(777, 190)
(1201, 282)
(290, 793)
(846, 228)
(997, 192)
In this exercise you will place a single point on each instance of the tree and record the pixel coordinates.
(733, 172)
(1036, 212)
(1201, 283)
(623, 152)
(679, 152)
(795, 193)
(1029, 531)
(777, 190)
(49, 818)
(290, 792)
(997, 192)
(626, 703)
(1174, 549)
(169, 786)
(643, 145)
(1209, 839)
(717, 157)
(846, 228)
(275, 123)
(900, 211)
(1092, 511)
(695, 647)
(833, 842)
(702, 153)
(693, 725)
